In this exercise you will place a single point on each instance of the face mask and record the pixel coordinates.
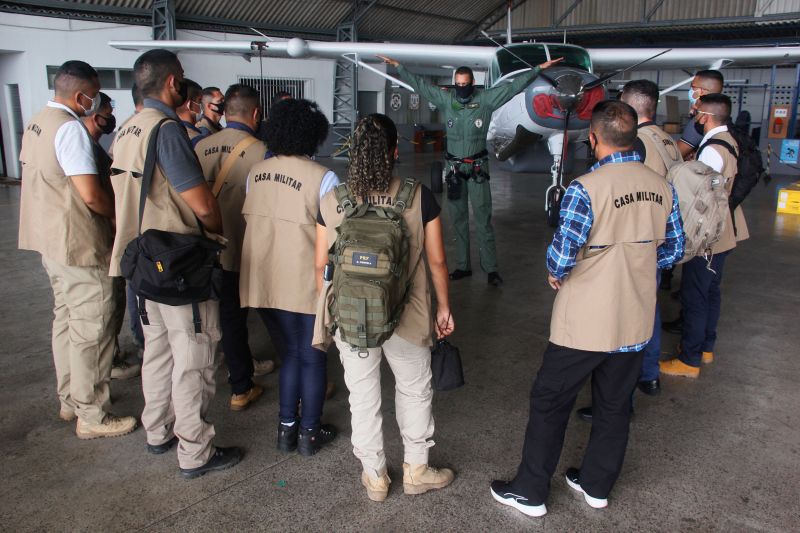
(183, 92)
(692, 99)
(95, 104)
(111, 123)
(197, 114)
(464, 93)
(217, 108)
(699, 128)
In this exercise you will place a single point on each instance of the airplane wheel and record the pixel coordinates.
(437, 171)
(554, 207)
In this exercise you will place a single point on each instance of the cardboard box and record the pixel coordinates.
(672, 127)
(789, 199)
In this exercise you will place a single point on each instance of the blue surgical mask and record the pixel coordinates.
(692, 99)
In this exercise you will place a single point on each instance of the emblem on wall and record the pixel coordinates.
(396, 102)
(413, 101)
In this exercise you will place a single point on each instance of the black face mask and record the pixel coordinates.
(111, 123)
(217, 108)
(464, 93)
(183, 92)
(699, 128)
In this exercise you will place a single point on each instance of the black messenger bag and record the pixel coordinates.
(167, 267)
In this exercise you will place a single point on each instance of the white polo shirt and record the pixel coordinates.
(73, 145)
(710, 157)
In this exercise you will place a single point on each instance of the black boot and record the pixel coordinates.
(287, 437)
(309, 441)
(457, 274)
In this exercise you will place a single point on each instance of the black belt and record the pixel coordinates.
(470, 159)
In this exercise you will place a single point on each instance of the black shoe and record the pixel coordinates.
(158, 449)
(495, 279)
(573, 477)
(585, 413)
(501, 492)
(651, 387)
(287, 437)
(221, 459)
(457, 274)
(310, 441)
(674, 326)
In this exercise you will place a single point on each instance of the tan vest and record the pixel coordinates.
(206, 123)
(653, 158)
(164, 209)
(191, 132)
(729, 239)
(416, 323)
(608, 300)
(281, 207)
(54, 220)
(212, 152)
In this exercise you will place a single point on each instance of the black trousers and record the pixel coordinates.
(233, 321)
(563, 373)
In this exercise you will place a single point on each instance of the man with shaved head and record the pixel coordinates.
(619, 222)
(66, 215)
(190, 111)
(704, 82)
(213, 102)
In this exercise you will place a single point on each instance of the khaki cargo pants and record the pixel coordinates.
(411, 366)
(178, 378)
(83, 337)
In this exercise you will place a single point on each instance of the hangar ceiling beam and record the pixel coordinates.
(163, 20)
(494, 16)
(653, 10)
(566, 13)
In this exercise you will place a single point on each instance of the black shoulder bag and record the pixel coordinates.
(167, 267)
(448, 374)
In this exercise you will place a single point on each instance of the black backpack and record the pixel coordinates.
(749, 165)
(167, 267)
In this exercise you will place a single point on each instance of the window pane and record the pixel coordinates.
(125, 79)
(108, 78)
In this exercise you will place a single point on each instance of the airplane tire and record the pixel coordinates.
(437, 170)
(554, 207)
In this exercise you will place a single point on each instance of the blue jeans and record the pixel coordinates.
(133, 317)
(701, 301)
(652, 351)
(303, 374)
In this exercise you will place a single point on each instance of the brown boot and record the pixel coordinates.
(377, 488)
(419, 479)
(111, 426)
(239, 402)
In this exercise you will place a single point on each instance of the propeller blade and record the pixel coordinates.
(541, 74)
(601, 81)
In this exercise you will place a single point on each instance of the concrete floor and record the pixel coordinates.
(721, 453)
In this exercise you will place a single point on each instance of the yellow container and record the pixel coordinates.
(789, 199)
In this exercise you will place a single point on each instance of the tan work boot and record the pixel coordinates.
(111, 426)
(419, 479)
(67, 415)
(239, 402)
(377, 488)
(263, 367)
(708, 358)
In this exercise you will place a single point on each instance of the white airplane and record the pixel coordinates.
(555, 107)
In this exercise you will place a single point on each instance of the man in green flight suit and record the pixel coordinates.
(467, 112)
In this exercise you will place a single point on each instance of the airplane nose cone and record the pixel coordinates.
(297, 47)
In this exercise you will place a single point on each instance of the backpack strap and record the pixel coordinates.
(149, 168)
(405, 195)
(237, 152)
(718, 142)
(345, 199)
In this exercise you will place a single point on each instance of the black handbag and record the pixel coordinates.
(167, 267)
(448, 374)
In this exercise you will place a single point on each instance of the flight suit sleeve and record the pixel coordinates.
(430, 92)
(497, 96)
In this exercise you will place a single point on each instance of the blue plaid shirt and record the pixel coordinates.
(576, 222)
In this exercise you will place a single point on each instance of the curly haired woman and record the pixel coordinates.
(277, 272)
(372, 157)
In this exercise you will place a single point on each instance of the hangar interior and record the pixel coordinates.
(720, 453)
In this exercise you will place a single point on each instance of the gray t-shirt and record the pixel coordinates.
(690, 135)
(175, 156)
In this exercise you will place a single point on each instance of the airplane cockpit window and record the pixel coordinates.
(574, 56)
(534, 53)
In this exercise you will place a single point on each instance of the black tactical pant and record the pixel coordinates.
(233, 321)
(563, 373)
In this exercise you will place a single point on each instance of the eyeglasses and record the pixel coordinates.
(706, 113)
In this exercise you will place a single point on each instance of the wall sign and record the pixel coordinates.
(789, 151)
(413, 101)
(396, 102)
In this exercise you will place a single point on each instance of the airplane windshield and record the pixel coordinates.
(535, 54)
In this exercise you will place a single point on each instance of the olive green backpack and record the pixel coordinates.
(372, 277)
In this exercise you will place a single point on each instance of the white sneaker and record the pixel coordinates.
(501, 493)
(261, 368)
(573, 480)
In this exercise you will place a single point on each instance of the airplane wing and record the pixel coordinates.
(416, 54)
(605, 59)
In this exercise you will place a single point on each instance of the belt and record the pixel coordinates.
(470, 159)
